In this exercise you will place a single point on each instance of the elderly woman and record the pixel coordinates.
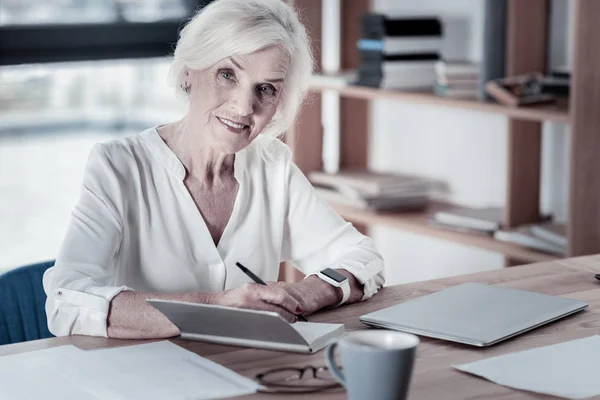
(167, 213)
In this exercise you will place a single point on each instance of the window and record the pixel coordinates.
(72, 30)
(50, 117)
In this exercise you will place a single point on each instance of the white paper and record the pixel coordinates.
(39, 375)
(312, 331)
(159, 370)
(163, 370)
(569, 369)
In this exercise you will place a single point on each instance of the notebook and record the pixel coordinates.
(244, 327)
(474, 313)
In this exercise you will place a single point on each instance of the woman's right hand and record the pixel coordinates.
(261, 297)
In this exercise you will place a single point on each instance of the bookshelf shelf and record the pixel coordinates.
(416, 222)
(555, 112)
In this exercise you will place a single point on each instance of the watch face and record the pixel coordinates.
(333, 274)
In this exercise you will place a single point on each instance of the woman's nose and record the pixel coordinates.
(243, 102)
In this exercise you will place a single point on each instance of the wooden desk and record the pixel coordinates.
(433, 377)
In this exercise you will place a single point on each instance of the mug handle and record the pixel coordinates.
(330, 361)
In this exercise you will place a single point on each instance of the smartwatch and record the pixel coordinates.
(338, 280)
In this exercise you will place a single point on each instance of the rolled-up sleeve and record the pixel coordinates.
(80, 286)
(316, 237)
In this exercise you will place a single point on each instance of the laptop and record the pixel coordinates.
(474, 313)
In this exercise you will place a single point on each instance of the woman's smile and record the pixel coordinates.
(233, 126)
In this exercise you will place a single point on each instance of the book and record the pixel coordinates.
(552, 232)
(245, 327)
(376, 56)
(561, 72)
(466, 69)
(455, 91)
(370, 183)
(397, 68)
(487, 219)
(518, 90)
(405, 82)
(453, 228)
(402, 45)
(555, 86)
(376, 26)
(408, 202)
(464, 82)
(396, 74)
(524, 236)
(389, 193)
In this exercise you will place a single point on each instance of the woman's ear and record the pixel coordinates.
(186, 84)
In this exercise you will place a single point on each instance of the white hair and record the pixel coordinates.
(226, 28)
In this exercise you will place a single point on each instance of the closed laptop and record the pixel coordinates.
(474, 313)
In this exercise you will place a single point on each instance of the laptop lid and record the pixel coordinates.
(474, 313)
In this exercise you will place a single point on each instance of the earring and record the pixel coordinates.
(186, 87)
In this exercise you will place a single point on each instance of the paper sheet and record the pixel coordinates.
(157, 370)
(312, 331)
(38, 375)
(569, 369)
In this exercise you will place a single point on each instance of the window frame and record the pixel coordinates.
(27, 44)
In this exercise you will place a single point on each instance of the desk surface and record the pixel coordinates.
(433, 378)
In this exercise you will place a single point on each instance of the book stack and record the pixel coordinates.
(457, 79)
(482, 221)
(399, 52)
(375, 191)
(548, 237)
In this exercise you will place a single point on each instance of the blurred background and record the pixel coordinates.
(73, 73)
(77, 72)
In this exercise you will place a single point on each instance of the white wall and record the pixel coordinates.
(465, 149)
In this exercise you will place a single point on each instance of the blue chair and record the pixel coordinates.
(22, 304)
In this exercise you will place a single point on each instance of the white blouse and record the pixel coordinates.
(136, 227)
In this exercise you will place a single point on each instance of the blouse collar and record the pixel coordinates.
(170, 161)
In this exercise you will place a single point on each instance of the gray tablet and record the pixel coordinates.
(474, 313)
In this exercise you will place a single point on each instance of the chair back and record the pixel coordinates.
(22, 304)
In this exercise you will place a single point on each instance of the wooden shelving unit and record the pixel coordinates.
(525, 52)
(417, 223)
(555, 112)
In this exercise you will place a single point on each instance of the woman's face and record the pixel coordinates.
(236, 98)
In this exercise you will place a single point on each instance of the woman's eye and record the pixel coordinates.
(268, 90)
(226, 75)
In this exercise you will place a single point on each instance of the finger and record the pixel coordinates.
(264, 306)
(250, 297)
(282, 298)
(285, 314)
